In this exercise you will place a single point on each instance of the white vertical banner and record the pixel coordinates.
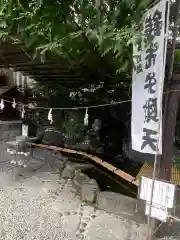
(148, 81)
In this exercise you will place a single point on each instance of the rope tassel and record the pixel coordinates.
(50, 116)
(2, 104)
(86, 122)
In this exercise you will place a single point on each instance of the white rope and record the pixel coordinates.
(76, 108)
(83, 107)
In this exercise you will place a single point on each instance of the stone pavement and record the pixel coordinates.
(44, 207)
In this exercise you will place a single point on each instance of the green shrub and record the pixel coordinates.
(176, 161)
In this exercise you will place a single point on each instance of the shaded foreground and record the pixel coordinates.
(43, 207)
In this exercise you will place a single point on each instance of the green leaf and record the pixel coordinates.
(93, 32)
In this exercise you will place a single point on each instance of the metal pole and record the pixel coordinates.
(149, 233)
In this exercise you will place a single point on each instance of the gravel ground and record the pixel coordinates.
(44, 207)
(33, 207)
(41, 206)
(28, 209)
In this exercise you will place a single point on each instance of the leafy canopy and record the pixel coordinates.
(92, 32)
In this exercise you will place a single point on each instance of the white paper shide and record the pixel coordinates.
(148, 81)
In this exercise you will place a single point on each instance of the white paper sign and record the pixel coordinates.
(157, 211)
(148, 81)
(163, 193)
(24, 130)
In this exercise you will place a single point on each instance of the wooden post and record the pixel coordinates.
(165, 161)
(171, 102)
(170, 107)
(165, 164)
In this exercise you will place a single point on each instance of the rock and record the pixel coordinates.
(81, 166)
(19, 160)
(53, 136)
(100, 150)
(108, 227)
(83, 146)
(34, 164)
(40, 152)
(118, 159)
(168, 238)
(61, 166)
(9, 130)
(17, 172)
(68, 172)
(18, 146)
(54, 159)
(89, 191)
(22, 139)
(119, 204)
(57, 165)
(68, 143)
(80, 179)
(60, 156)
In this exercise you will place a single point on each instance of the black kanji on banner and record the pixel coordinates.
(150, 109)
(148, 139)
(153, 25)
(151, 54)
(150, 82)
